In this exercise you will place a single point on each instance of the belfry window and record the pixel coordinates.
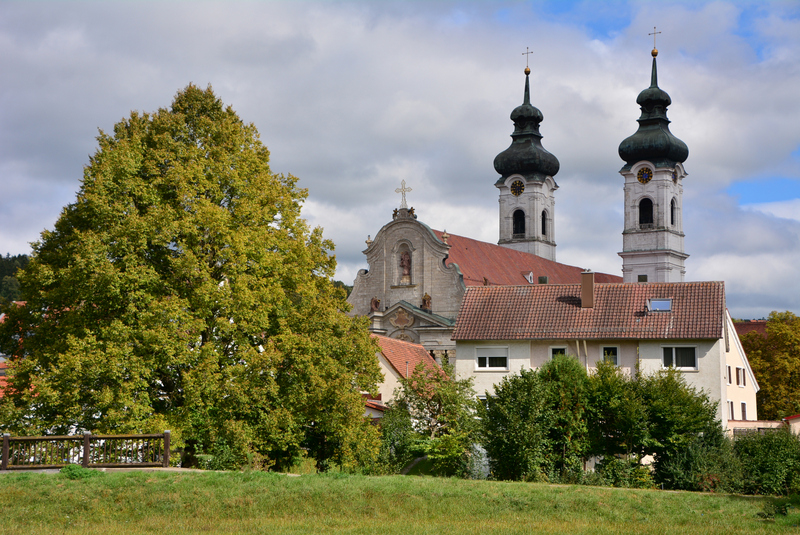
(519, 224)
(673, 207)
(645, 212)
(544, 223)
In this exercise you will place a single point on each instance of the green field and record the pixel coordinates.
(254, 502)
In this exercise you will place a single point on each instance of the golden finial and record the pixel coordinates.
(526, 53)
(655, 50)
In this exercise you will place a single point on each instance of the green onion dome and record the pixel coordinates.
(526, 156)
(653, 141)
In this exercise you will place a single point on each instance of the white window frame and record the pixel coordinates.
(488, 368)
(730, 410)
(603, 353)
(730, 381)
(741, 381)
(551, 348)
(743, 406)
(682, 368)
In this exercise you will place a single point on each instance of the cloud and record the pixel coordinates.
(353, 97)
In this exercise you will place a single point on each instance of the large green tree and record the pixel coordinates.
(775, 359)
(182, 289)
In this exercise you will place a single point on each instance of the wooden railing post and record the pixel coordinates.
(6, 438)
(165, 460)
(87, 435)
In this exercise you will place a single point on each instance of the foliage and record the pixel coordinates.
(617, 417)
(775, 360)
(514, 428)
(183, 289)
(440, 407)
(625, 472)
(565, 393)
(9, 285)
(677, 414)
(399, 442)
(705, 463)
(770, 462)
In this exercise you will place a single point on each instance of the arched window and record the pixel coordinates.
(673, 208)
(519, 223)
(645, 212)
(544, 223)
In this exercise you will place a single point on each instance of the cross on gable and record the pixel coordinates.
(403, 190)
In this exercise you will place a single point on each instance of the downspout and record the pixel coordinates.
(586, 352)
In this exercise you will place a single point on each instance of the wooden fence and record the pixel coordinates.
(88, 450)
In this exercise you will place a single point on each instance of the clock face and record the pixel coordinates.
(517, 188)
(645, 175)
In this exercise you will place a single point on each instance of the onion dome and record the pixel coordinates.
(653, 141)
(526, 156)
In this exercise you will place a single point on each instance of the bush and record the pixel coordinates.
(627, 473)
(704, 463)
(770, 462)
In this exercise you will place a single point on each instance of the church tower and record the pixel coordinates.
(652, 242)
(527, 203)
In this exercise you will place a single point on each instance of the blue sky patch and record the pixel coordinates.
(766, 190)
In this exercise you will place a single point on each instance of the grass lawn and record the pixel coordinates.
(169, 502)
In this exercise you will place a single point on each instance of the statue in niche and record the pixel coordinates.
(375, 304)
(405, 266)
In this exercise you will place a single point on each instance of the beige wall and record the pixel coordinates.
(391, 379)
(737, 394)
(466, 363)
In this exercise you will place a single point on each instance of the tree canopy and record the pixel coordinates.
(183, 290)
(775, 359)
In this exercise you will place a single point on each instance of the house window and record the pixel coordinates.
(740, 377)
(730, 410)
(680, 357)
(492, 358)
(641, 278)
(611, 354)
(729, 375)
(557, 350)
(519, 224)
(744, 410)
(646, 213)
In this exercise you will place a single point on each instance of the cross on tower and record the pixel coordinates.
(526, 54)
(403, 190)
(654, 33)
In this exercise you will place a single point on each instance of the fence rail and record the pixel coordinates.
(88, 450)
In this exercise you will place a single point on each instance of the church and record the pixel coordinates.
(494, 309)
(417, 276)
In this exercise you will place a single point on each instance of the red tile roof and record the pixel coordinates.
(399, 352)
(749, 326)
(553, 312)
(501, 266)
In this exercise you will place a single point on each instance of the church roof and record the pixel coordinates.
(487, 264)
(404, 355)
(620, 311)
(748, 326)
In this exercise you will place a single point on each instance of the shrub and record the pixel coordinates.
(770, 462)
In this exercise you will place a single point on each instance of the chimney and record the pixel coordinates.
(587, 289)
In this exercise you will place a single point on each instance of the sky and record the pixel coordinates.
(354, 97)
